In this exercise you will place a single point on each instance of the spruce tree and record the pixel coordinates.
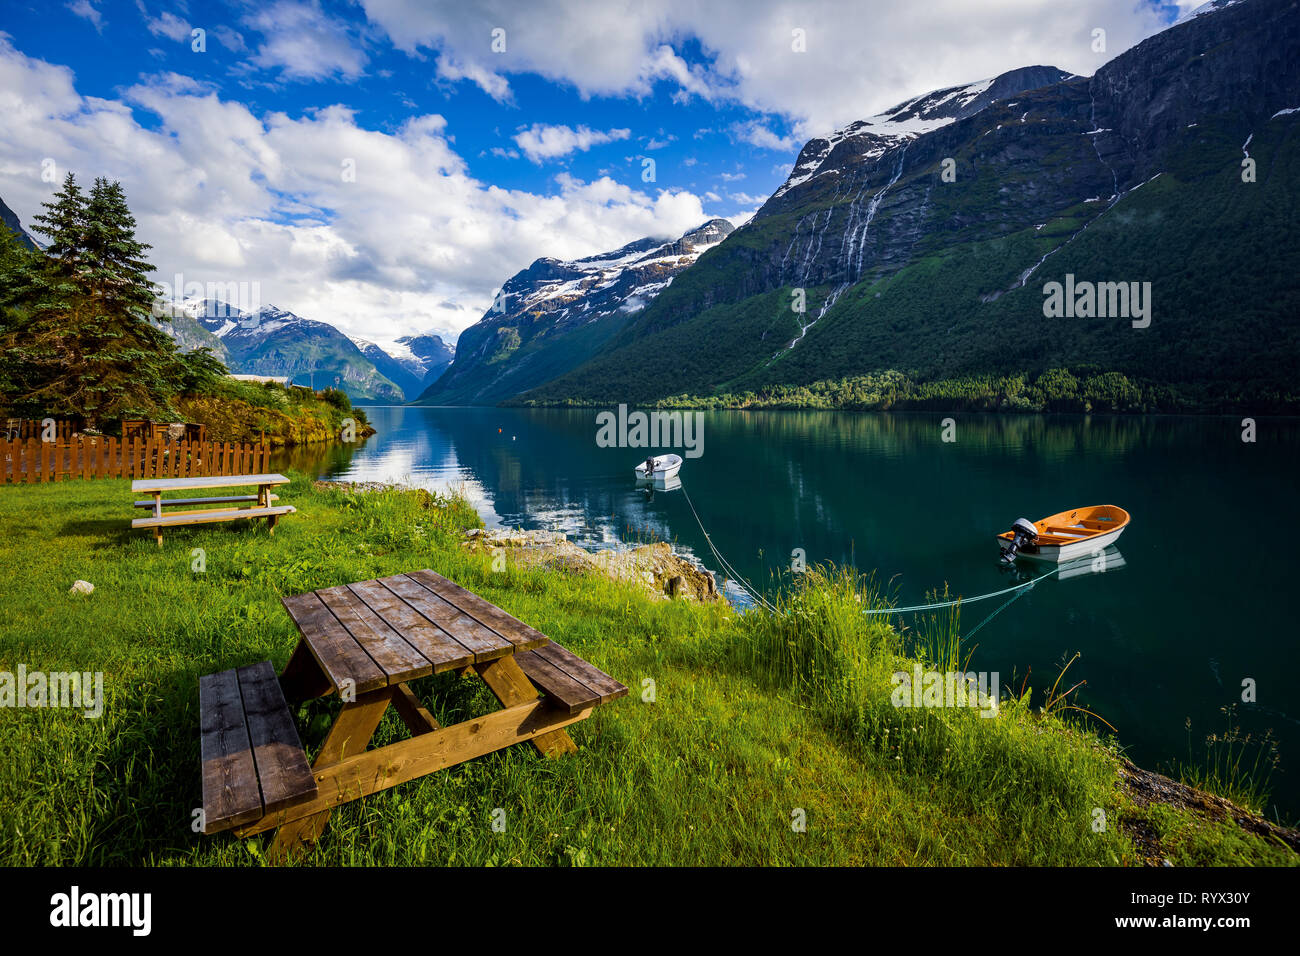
(83, 333)
(130, 363)
(13, 261)
(40, 297)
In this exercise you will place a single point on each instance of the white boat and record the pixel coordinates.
(659, 468)
(1064, 536)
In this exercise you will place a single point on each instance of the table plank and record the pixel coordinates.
(439, 647)
(230, 792)
(567, 691)
(149, 485)
(337, 652)
(573, 665)
(398, 659)
(484, 642)
(282, 767)
(511, 628)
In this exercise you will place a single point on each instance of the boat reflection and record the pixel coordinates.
(1099, 562)
(648, 488)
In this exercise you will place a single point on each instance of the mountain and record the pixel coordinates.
(11, 221)
(925, 240)
(412, 363)
(190, 334)
(553, 315)
(273, 341)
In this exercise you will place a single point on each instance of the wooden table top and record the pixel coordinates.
(150, 485)
(378, 633)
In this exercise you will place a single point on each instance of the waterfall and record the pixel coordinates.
(873, 206)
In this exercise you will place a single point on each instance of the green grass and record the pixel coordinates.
(753, 717)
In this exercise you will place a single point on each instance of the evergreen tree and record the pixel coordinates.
(13, 260)
(83, 333)
(39, 293)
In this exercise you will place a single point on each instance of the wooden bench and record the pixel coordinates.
(253, 761)
(261, 502)
(226, 499)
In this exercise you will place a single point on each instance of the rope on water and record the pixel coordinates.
(722, 562)
(1016, 591)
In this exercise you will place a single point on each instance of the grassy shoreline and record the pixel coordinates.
(754, 716)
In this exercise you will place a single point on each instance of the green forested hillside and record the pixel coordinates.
(1220, 255)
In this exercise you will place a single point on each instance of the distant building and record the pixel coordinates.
(264, 379)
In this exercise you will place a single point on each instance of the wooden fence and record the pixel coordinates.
(37, 461)
(20, 429)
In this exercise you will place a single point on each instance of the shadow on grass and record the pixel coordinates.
(112, 533)
(153, 777)
(116, 533)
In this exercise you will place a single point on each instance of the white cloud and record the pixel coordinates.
(305, 42)
(232, 40)
(494, 86)
(225, 194)
(540, 141)
(86, 10)
(170, 26)
(860, 59)
(756, 134)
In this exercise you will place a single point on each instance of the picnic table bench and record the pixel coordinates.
(366, 641)
(255, 506)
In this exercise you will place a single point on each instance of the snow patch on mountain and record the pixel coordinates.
(1211, 7)
(916, 117)
(624, 280)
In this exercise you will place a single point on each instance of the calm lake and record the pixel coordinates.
(1202, 601)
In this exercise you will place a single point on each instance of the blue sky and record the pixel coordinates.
(480, 136)
(693, 142)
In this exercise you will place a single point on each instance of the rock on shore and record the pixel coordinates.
(655, 567)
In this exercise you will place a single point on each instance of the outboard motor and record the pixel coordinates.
(1023, 532)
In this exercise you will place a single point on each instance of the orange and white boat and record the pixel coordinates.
(1064, 536)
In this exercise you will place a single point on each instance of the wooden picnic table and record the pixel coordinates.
(366, 641)
(251, 506)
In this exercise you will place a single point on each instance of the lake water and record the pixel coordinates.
(1202, 602)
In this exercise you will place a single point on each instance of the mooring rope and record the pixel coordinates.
(1017, 591)
(965, 600)
(744, 585)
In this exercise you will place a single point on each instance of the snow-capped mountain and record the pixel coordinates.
(274, 341)
(922, 238)
(871, 138)
(551, 316)
(412, 362)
